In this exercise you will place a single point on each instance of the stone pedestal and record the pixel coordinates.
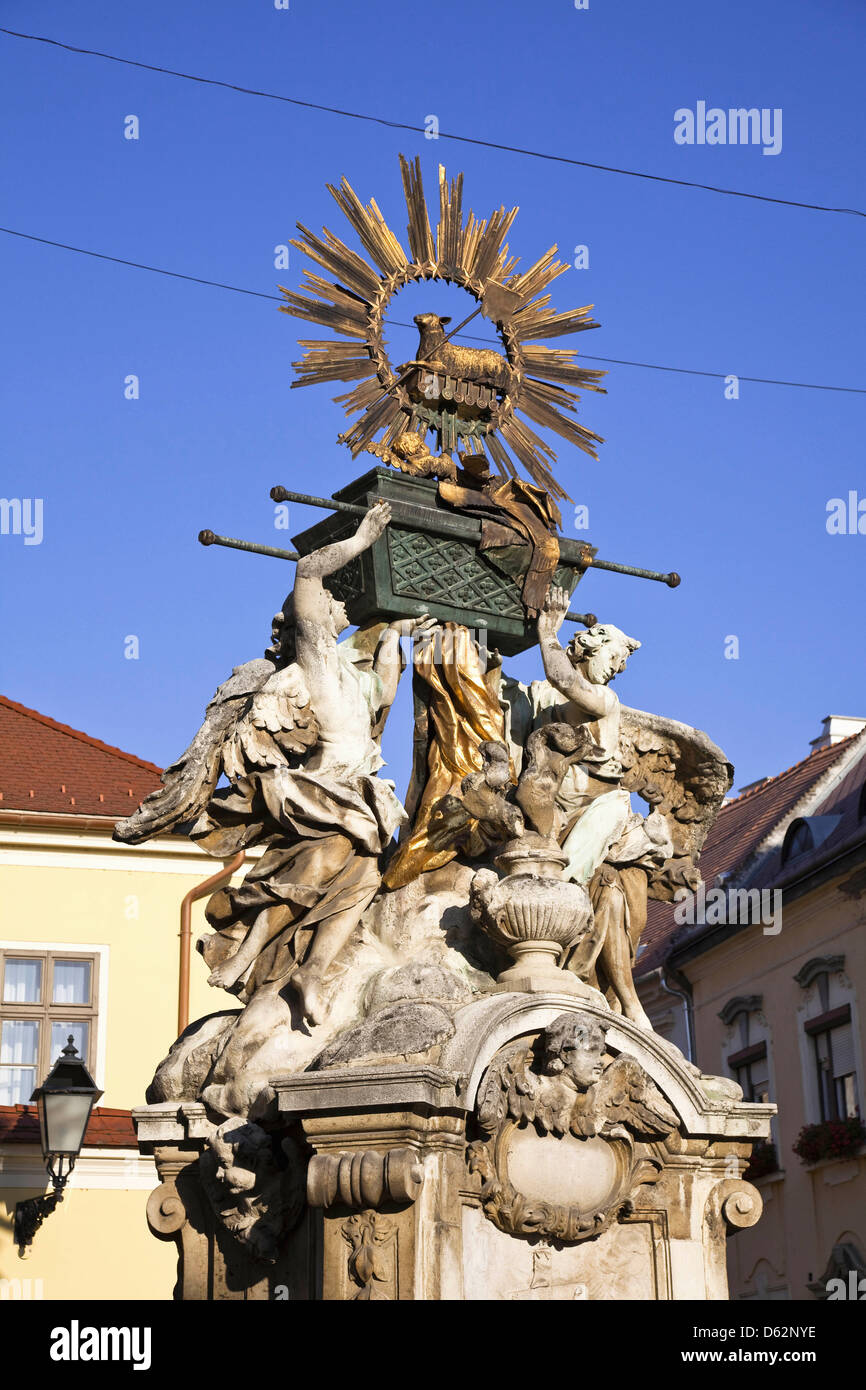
(492, 1172)
(211, 1263)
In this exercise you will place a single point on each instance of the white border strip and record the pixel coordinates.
(116, 1170)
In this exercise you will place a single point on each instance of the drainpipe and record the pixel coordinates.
(684, 995)
(201, 890)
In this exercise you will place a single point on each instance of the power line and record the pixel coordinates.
(138, 265)
(420, 130)
(278, 299)
(694, 371)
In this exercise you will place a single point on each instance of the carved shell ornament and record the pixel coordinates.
(472, 399)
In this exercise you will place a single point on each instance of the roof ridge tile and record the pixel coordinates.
(835, 748)
(79, 734)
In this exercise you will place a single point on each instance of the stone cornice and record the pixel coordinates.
(818, 965)
(742, 1004)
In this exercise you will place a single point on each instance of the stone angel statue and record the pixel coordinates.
(621, 856)
(296, 737)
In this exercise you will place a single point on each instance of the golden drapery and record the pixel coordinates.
(508, 506)
(464, 712)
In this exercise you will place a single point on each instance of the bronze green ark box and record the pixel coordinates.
(429, 561)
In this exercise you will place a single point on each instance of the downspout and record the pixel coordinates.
(684, 994)
(201, 890)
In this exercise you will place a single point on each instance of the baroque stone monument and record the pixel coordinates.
(438, 1081)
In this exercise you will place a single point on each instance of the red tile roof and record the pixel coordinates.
(740, 827)
(46, 766)
(106, 1129)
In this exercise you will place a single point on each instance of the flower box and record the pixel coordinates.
(763, 1161)
(829, 1140)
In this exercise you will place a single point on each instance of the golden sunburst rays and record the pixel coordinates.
(472, 400)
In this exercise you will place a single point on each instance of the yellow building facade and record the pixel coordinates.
(76, 906)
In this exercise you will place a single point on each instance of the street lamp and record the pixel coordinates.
(64, 1102)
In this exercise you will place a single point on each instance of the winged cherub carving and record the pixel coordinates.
(565, 1084)
(296, 736)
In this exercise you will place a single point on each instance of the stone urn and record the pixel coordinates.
(535, 914)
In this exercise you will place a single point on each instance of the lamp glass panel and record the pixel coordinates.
(60, 1035)
(22, 981)
(16, 1085)
(71, 982)
(65, 1121)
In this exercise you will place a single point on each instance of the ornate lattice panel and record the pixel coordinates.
(348, 583)
(440, 569)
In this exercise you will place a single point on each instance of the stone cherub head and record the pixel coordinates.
(601, 652)
(572, 1048)
(240, 1155)
(244, 1185)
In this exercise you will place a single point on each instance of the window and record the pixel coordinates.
(44, 996)
(751, 1069)
(746, 1051)
(798, 839)
(832, 1039)
(807, 833)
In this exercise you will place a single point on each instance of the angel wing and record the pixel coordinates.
(626, 1096)
(255, 719)
(685, 777)
(509, 1089)
(278, 722)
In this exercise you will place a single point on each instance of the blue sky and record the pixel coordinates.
(732, 493)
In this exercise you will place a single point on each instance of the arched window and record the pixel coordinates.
(798, 839)
(746, 1051)
(831, 1046)
(807, 833)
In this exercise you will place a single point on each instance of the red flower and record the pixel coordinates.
(831, 1139)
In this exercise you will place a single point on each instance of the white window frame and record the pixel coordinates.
(840, 991)
(70, 948)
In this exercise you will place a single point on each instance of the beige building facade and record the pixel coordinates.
(776, 1002)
